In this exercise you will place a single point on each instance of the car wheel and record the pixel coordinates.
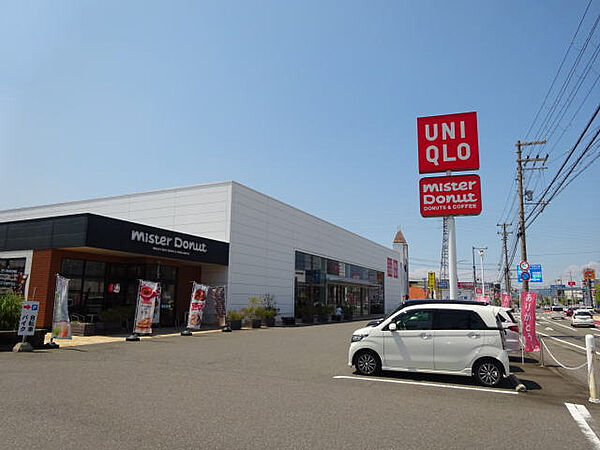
(367, 363)
(488, 373)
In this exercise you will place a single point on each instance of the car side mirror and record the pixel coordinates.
(392, 327)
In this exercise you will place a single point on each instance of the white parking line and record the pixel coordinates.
(582, 417)
(417, 383)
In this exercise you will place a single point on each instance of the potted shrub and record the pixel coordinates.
(307, 313)
(323, 312)
(234, 318)
(253, 312)
(10, 311)
(269, 310)
(269, 317)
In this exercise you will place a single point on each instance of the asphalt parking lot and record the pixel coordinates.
(268, 388)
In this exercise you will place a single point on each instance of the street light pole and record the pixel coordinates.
(482, 272)
(481, 250)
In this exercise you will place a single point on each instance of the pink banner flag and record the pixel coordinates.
(506, 300)
(528, 300)
(482, 298)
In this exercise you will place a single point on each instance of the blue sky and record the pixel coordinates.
(312, 102)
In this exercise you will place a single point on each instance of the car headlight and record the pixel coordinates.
(358, 337)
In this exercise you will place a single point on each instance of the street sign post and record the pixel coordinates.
(28, 319)
(431, 281)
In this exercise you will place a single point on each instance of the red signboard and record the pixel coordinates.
(589, 274)
(458, 195)
(395, 264)
(571, 283)
(390, 267)
(448, 142)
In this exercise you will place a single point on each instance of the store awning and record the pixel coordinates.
(92, 230)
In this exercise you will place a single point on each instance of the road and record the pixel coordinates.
(566, 344)
(268, 388)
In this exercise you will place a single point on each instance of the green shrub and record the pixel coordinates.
(10, 311)
(235, 315)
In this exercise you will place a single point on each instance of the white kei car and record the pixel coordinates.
(454, 339)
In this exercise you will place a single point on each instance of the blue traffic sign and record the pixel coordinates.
(533, 275)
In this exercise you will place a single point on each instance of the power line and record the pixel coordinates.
(559, 69)
(557, 175)
(571, 169)
(566, 82)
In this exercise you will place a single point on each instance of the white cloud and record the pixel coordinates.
(577, 271)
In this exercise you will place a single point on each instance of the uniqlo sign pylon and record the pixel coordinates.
(448, 142)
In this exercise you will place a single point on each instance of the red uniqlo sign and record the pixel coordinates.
(458, 195)
(448, 142)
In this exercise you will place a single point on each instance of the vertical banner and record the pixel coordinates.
(29, 312)
(61, 325)
(506, 300)
(217, 295)
(157, 299)
(144, 313)
(528, 300)
(390, 267)
(197, 304)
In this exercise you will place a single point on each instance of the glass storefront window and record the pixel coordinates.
(95, 269)
(325, 282)
(72, 268)
(96, 287)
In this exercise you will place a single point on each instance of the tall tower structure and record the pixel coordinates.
(444, 259)
(400, 246)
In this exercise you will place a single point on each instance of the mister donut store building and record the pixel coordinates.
(220, 234)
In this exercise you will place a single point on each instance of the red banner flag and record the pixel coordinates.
(506, 300)
(528, 300)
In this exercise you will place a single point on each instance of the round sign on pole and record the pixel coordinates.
(524, 265)
(525, 276)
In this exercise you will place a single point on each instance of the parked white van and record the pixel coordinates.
(456, 339)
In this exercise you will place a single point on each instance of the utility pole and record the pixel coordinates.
(474, 272)
(520, 163)
(505, 234)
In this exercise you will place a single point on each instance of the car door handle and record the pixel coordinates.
(473, 335)
(425, 336)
